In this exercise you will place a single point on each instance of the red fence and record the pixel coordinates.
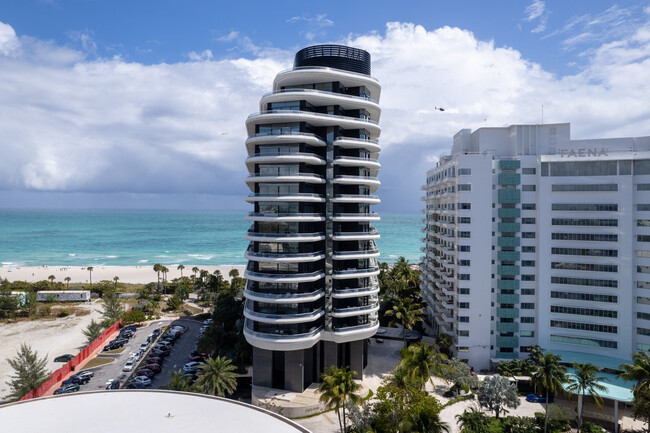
(67, 368)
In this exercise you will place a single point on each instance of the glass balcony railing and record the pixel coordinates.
(318, 115)
(318, 92)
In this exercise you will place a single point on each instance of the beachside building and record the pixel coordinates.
(311, 290)
(534, 238)
(63, 295)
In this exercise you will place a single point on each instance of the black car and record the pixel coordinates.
(67, 389)
(121, 341)
(86, 373)
(127, 334)
(156, 331)
(158, 353)
(113, 384)
(64, 358)
(76, 379)
(113, 346)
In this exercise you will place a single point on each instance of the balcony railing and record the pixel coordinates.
(311, 113)
(319, 92)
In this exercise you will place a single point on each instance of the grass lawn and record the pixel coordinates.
(114, 352)
(98, 362)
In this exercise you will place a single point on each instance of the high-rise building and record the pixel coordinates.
(311, 291)
(534, 238)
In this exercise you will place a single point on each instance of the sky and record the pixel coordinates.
(141, 104)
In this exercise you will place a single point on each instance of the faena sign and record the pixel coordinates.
(582, 153)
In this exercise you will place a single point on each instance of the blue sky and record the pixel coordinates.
(142, 104)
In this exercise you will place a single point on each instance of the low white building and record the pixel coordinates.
(534, 238)
(63, 295)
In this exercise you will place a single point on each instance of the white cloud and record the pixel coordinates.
(537, 9)
(8, 41)
(106, 125)
(229, 37)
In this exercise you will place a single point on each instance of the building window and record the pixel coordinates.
(528, 220)
(589, 267)
(584, 311)
(643, 223)
(584, 237)
(528, 206)
(584, 207)
(528, 188)
(643, 187)
(463, 291)
(642, 285)
(464, 248)
(464, 206)
(528, 263)
(526, 333)
(584, 282)
(465, 187)
(528, 277)
(592, 327)
(463, 319)
(527, 291)
(587, 222)
(584, 252)
(528, 170)
(644, 316)
(464, 171)
(589, 187)
(463, 277)
(528, 235)
(527, 249)
(643, 207)
(525, 319)
(527, 306)
(585, 168)
(464, 234)
(578, 296)
(643, 238)
(463, 262)
(463, 333)
(584, 341)
(463, 305)
(464, 220)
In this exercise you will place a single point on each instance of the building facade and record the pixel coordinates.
(311, 290)
(534, 238)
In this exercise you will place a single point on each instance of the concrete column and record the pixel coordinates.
(615, 416)
(294, 370)
(356, 358)
(262, 367)
(330, 354)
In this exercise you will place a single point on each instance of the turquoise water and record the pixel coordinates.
(130, 238)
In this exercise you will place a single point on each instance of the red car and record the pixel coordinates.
(154, 360)
(153, 367)
(146, 372)
(195, 358)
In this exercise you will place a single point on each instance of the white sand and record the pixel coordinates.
(126, 274)
(50, 338)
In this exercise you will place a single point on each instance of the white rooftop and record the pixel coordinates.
(140, 410)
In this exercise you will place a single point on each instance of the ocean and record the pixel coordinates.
(137, 238)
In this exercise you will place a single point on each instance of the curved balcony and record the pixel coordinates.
(357, 143)
(298, 177)
(351, 333)
(284, 258)
(283, 319)
(372, 182)
(356, 198)
(285, 158)
(356, 217)
(294, 197)
(284, 237)
(314, 119)
(354, 255)
(280, 341)
(322, 74)
(283, 298)
(321, 98)
(355, 161)
(283, 136)
(355, 273)
(285, 217)
(355, 292)
(355, 311)
(284, 278)
(356, 236)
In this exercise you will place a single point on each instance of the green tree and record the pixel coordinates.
(90, 271)
(174, 302)
(67, 282)
(549, 377)
(29, 372)
(92, 331)
(133, 316)
(157, 268)
(639, 373)
(234, 273)
(51, 278)
(424, 417)
(338, 387)
(9, 303)
(195, 271)
(536, 354)
(585, 380)
(180, 383)
(115, 280)
(460, 375)
(496, 393)
(180, 268)
(472, 421)
(112, 308)
(444, 343)
(420, 363)
(217, 377)
(405, 312)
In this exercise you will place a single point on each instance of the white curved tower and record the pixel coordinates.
(312, 274)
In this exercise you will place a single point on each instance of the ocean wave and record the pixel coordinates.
(143, 261)
(112, 257)
(201, 256)
(71, 255)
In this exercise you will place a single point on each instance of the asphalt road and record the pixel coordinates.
(114, 370)
(179, 353)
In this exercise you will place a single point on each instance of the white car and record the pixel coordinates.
(129, 365)
(144, 346)
(192, 366)
(176, 329)
(143, 380)
(207, 321)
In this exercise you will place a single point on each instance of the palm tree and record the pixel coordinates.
(422, 419)
(217, 377)
(195, 270)
(51, 278)
(157, 268)
(337, 388)
(444, 342)
(549, 376)
(420, 362)
(473, 421)
(407, 313)
(585, 380)
(165, 271)
(91, 269)
(179, 383)
(67, 282)
(639, 372)
(180, 268)
(536, 354)
(116, 279)
(234, 273)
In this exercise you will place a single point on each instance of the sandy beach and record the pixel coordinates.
(126, 274)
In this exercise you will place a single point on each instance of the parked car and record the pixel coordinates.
(190, 375)
(67, 389)
(64, 358)
(157, 353)
(151, 338)
(192, 366)
(207, 321)
(75, 378)
(195, 352)
(113, 346)
(163, 349)
(156, 332)
(146, 372)
(538, 398)
(143, 380)
(144, 346)
(134, 385)
(195, 359)
(88, 373)
(129, 365)
(154, 360)
(156, 368)
(113, 384)
(127, 334)
(137, 354)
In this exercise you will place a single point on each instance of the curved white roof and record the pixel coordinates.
(141, 410)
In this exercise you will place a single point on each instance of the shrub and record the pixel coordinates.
(558, 420)
(590, 427)
(63, 313)
(133, 316)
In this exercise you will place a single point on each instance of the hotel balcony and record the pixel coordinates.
(285, 158)
(356, 311)
(352, 333)
(354, 161)
(294, 178)
(356, 236)
(283, 258)
(355, 273)
(281, 339)
(322, 98)
(312, 118)
(262, 277)
(283, 136)
(357, 143)
(289, 197)
(356, 198)
(372, 182)
(353, 255)
(284, 298)
(355, 292)
(282, 319)
(285, 217)
(284, 237)
(356, 217)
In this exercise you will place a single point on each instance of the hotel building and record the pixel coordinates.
(311, 290)
(534, 238)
